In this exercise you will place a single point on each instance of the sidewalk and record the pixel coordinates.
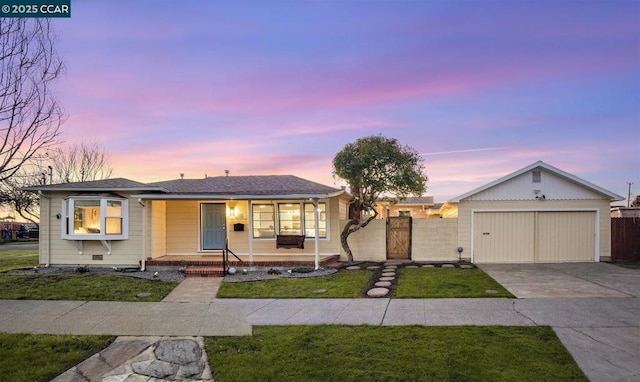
(602, 334)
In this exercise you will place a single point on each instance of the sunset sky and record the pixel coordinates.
(481, 88)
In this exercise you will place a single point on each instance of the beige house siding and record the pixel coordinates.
(522, 188)
(157, 231)
(434, 240)
(183, 229)
(600, 207)
(64, 252)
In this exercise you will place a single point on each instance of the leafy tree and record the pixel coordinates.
(375, 168)
(30, 116)
(636, 201)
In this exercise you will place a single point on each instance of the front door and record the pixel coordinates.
(399, 238)
(214, 226)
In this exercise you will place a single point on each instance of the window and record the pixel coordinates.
(292, 218)
(289, 217)
(263, 221)
(95, 218)
(536, 176)
(309, 222)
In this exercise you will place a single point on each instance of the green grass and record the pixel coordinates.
(344, 284)
(447, 283)
(29, 357)
(408, 353)
(90, 287)
(18, 258)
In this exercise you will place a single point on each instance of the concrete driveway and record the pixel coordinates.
(566, 280)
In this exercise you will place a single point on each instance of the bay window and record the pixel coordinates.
(95, 218)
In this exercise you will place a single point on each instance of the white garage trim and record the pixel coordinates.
(596, 254)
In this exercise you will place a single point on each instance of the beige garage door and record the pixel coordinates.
(529, 237)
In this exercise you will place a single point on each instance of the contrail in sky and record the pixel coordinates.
(463, 151)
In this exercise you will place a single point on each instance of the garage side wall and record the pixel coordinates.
(603, 224)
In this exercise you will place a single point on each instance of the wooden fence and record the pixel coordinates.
(625, 239)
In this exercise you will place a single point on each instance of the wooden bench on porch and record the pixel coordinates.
(290, 241)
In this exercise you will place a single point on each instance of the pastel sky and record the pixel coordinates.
(481, 88)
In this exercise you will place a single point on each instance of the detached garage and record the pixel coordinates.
(538, 214)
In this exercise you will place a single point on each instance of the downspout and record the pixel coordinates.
(41, 195)
(144, 235)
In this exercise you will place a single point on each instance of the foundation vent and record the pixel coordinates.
(96, 257)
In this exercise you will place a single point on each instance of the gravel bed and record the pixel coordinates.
(160, 275)
(257, 274)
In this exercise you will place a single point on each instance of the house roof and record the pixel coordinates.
(419, 201)
(237, 187)
(104, 185)
(222, 187)
(540, 164)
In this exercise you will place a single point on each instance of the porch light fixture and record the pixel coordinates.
(232, 212)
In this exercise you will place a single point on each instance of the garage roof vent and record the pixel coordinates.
(536, 176)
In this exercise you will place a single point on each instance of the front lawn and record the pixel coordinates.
(42, 357)
(407, 353)
(447, 283)
(344, 284)
(17, 259)
(92, 287)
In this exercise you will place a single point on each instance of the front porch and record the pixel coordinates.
(211, 265)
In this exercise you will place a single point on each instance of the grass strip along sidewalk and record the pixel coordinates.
(407, 353)
(42, 357)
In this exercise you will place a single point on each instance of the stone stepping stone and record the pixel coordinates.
(373, 267)
(491, 291)
(319, 291)
(390, 267)
(466, 266)
(353, 268)
(383, 284)
(412, 266)
(428, 266)
(377, 292)
(388, 274)
(448, 266)
(386, 278)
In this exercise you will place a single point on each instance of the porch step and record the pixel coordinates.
(203, 271)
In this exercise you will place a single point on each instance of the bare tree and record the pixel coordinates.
(75, 163)
(30, 117)
(24, 203)
(80, 163)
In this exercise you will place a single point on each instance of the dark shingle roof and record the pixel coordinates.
(115, 184)
(245, 185)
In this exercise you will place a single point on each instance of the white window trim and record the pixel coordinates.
(276, 217)
(67, 222)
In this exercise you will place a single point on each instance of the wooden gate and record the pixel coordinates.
(625, 239)
(399, 238)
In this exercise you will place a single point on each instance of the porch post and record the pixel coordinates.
(143, 264)
(316, 240)
(250, 213)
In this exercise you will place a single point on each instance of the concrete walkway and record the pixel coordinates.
(602, 334)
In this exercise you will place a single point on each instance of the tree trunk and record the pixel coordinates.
(352, 226)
